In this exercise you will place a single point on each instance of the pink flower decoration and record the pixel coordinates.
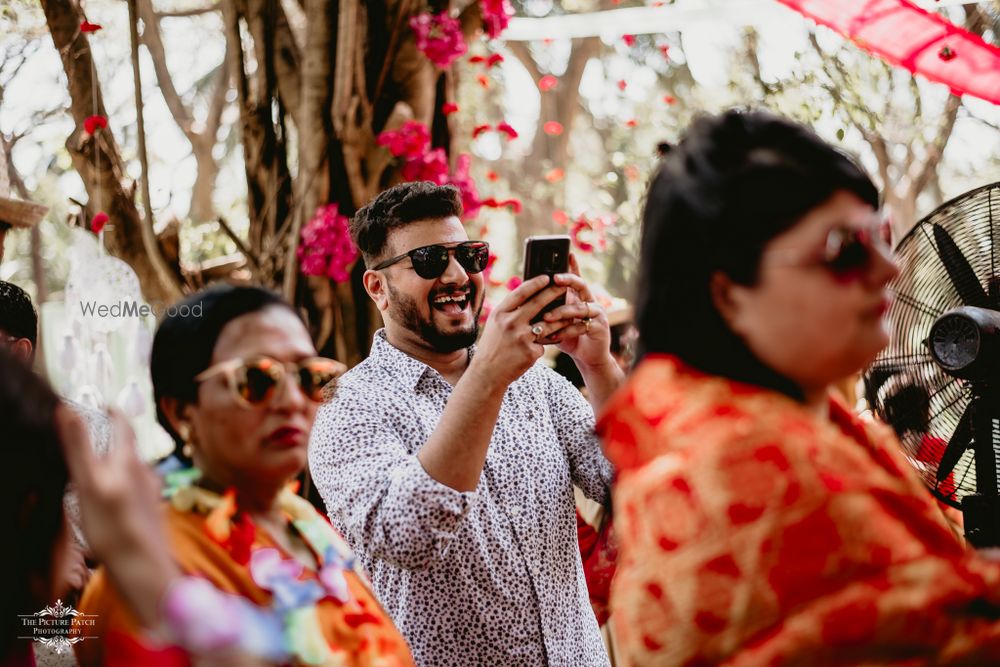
(508, 130)
(489, 270)
(629, 40)
(513, 283)
(493, 60)
(439, 37)
(631, 122)
(483, 80)
(479, 129)
(409, 141)
(553, 128)
(463, 181)
(547, 83)
(669, 99)
(326, 248)
(449, 108)
(559, 217)
(484, 314)
(496, 16)
(622, 84)
(431, 166)
(98, 221)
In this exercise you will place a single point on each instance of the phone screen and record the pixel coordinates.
(546, 255)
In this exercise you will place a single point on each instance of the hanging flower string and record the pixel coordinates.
(326, 248)
(462, 179)
(504, 128)
(589, 234)
(553, 128)
(490, 61)
(98, 221)
(439, 37)
(91, 124)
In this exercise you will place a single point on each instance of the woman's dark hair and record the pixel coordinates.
(399, 206)
(185, 340)
(732, 184)
(32, 492)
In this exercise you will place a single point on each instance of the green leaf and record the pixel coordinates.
(840, 134)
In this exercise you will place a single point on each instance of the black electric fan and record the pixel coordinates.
(938, 381)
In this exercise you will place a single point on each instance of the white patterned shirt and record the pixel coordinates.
(490, 577)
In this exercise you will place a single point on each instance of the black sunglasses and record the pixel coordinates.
(848, 250)
(851, 250)
(430, 261)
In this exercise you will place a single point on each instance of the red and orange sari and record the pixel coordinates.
(752, 532)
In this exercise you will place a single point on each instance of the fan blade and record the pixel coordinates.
(960, 441)
(959, 270)
(875, 378)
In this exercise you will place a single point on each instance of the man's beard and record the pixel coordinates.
(404, 310)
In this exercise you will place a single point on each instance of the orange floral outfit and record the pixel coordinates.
(752, 532)
(340, 623)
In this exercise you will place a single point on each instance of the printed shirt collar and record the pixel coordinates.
(406, 368)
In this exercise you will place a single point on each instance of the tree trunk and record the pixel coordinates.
(97, 158)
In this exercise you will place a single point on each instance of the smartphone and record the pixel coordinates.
(546, 255)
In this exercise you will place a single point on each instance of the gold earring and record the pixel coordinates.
(184, 432)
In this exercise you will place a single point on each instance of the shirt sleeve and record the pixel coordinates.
(99, 428)
(573, 418)
(376, 492)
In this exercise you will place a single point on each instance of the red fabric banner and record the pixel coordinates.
(908, 36)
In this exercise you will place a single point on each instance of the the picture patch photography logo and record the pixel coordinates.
(58, 626)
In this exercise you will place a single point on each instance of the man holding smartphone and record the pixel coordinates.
(448, 465)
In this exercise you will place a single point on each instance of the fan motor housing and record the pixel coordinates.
(965, 342)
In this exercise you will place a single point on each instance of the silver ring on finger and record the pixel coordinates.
(537, 330)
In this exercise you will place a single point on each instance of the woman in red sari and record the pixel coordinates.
(760, 522)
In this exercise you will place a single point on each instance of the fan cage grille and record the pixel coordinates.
(904, 385)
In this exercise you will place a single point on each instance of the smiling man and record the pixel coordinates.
(450, 466)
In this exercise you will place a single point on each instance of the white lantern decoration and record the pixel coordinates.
(130, 400)
(103, 292)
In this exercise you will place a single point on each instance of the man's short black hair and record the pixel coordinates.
(17, 315)
(399, 206)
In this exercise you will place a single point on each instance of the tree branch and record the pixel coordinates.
(97, 157)
(153, 40)
(184, 13)
(935, 150)
(523, 54)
